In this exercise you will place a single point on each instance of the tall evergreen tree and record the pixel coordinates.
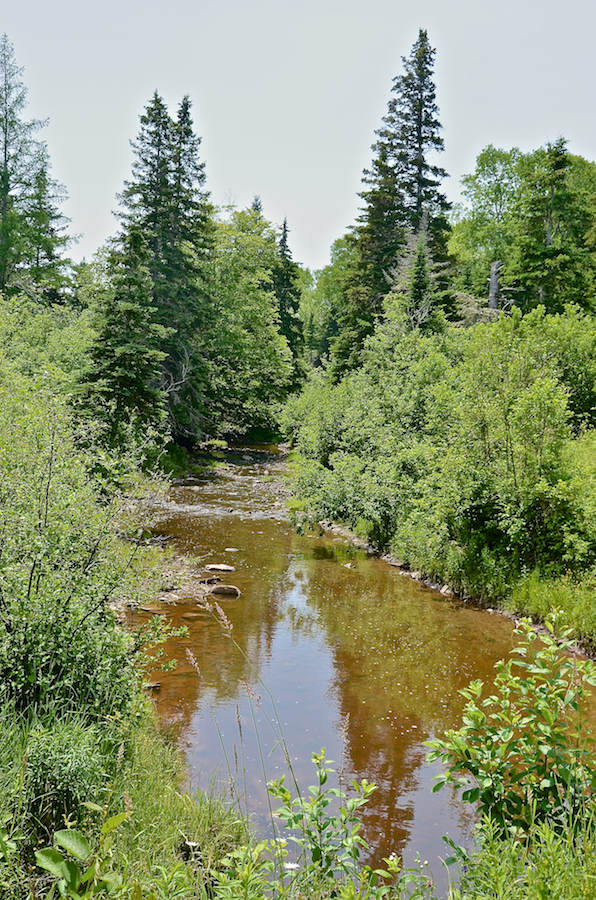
(285, 283)
(121, 386)
(45, 237)
(166, 203)
(411, 131)
(32, 236)
(403, 192)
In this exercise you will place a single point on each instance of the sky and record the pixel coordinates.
(287, 94)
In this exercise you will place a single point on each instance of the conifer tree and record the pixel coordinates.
(284, 277)
(44, 235)
(32, 235)
(166, 203)
(403, 192)
(121, 386)
(419, 294)
(411, 130)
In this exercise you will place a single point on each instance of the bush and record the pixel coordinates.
(526, 748)
(62, 564)
(65, 766)
(463, 451)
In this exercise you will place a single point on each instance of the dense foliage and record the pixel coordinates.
(534, 213)
(463, 450)
(251, 362)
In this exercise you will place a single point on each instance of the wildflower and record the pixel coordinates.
(291, 866)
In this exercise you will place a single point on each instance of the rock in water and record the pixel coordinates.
(220, 567)
(225, 590)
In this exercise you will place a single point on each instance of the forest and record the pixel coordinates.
(437, 384)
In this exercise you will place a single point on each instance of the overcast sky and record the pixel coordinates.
(287, 94)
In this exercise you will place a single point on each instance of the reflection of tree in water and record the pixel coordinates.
(401, 653)
(254, 616)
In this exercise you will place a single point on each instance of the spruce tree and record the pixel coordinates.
(120, 388)
(284, 277)
(166, 203)
(418, 295)
(31, 226)
(44, 236)
(411, 130)
(402, 195)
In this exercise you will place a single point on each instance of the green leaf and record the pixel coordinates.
(75, 842)
(111, 880)
(72, 874)
(113, 823)
(93, 806)
(51, 860)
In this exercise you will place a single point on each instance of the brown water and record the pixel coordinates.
(341, 640)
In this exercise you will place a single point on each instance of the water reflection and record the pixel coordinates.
(341, 640)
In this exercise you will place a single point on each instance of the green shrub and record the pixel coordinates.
(65, 766)
(62, 564)
(464, 451)
(526, 748)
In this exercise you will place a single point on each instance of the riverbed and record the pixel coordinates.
(332, 647)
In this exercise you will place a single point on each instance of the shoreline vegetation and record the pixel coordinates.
(448, 425)
(468, 455)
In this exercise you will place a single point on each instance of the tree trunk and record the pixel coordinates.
(494, 292)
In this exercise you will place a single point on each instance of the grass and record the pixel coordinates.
(167, 826)
(50, 766)
(538, 597)
(547, 866)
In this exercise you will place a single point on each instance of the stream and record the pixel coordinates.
(344, 651)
